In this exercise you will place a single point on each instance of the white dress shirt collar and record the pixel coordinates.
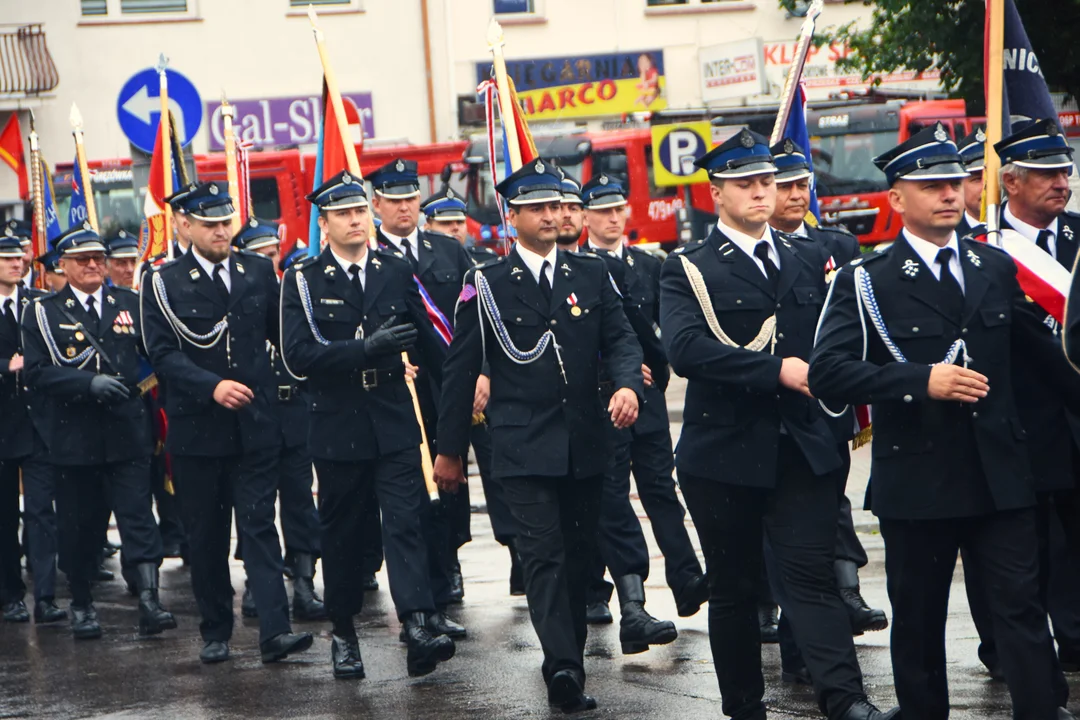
(746, 243)
(619, 250)
(1030, 231)
(346, 264)
(928, 251)
(411, 237)
(535, 262)
(209, 267)
(81, 297)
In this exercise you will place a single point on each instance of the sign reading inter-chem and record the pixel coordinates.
(675, 148)
(266, 122)
(577, 86)
(138, 108)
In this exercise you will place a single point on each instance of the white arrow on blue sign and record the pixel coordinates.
(138, 108)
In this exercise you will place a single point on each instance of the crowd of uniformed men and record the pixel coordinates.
(235, 376)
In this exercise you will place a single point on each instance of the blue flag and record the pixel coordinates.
(797, 131)
(1026, 93)
(52, 218)
(77, 213)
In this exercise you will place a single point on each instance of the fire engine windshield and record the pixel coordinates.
(115, 201)
(843, 164)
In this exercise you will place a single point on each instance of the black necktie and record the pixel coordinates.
(948, 281)
(409, 253)
(354, 272)
(91, 310)
(9, 314)
(772, 273)
(1043, 240)
(219, 281)
(545, 284)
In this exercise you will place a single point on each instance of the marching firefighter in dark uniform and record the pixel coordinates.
(348, 315)
(444, 212)
(208, 317)
(973, 152)
(299, 517)
(793, 178)
(756, 457)
(439, 264)
(644, 448)
(83, 348)
(928, 332)
(543, 320)
(23, 425)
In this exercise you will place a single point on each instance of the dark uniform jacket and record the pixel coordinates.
(932, 459)
(441, 264)
(478, 254)
(541, 425)
(81, 430)
(197, 424)
(735, 405)
(360, 406)
(1053, 429)
(291, 405)
(16, 428)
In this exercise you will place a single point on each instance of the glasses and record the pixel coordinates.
(85, 260)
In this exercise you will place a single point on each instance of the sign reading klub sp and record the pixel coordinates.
(576, 86)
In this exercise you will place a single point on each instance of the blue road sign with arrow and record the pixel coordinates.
(139, 108)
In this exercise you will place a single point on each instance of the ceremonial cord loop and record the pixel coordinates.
(766, 335)
(79, 361)
(521, 357)
(203, 342)
(305, 301)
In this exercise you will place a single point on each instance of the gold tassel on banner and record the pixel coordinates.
(863, 437)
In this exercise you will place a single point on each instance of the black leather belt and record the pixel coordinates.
(285, 393)
(374, 377)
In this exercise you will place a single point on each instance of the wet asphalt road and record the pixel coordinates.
(495, 674)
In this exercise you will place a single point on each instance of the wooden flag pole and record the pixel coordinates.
(791, 82)
(353, 162)
(995, 94)
(231, 172)
(166, 150)
(37, 187)
(84, 171)
(506, 103)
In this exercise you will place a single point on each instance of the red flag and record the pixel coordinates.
(525, 139)
(154, 241)
(333, 148)
(11, 152)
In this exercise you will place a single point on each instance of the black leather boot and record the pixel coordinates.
(46, 611)
(692, 596)
(84, 622)
(345, 655)
(865, 710)
(425, 651)
(247, 602)
(637, 628)
(152, 617)
(598, 613)
(305, 605)
(16, 612)
(768, 620)
(457, 584)
(863, 617)
(517, 577)
(281, 646)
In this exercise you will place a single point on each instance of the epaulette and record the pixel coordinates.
(389, 251)
(1074, 215)
(589, 256)
(164, 265)
(482, 250)
(440, 235)
(980, 244)
(124, 289)
(838, 229)
(692, 246)
(253, 254)
(870, 257)
(490, 263)
(305, 263)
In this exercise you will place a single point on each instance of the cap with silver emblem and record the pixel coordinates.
(744, 154)
(927, 155)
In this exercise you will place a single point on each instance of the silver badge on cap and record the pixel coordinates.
(449, 194)
(7, 231)
(213, 189)
(87, 226)
(346, 178)
(940, 135)
(604, 180)
(789, 147)
(539, 166)
(980, 136)
(400, 166)
(253, 222)
(1052, 128)
(746, 140)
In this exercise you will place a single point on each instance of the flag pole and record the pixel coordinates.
(37, 187)
(794, 74)
(84, 171)
(995, 93)
(231, 171)
(166, 150)
(353, 162)
(506, 104)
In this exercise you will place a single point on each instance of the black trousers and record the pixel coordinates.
(168, 505)
(81, 491)
(11, 584)
(502, 522)
(209, 488)
(299, 516)
(39, 518)
(345, 496)
(556, 520)
(371, 547)
(799, 519)
(920, 556)
(848, 545)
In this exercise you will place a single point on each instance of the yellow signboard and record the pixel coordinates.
(675, 148)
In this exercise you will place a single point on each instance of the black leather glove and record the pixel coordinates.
(390, 340)
(105, 388)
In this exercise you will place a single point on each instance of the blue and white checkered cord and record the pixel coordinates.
(204, 342)
(79, 361)
(487, 305)
(309, 313)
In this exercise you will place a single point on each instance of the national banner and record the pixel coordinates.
(153, 241)
(52, 218)
(796, 130)
(11, 152)
(330, 157)
(77, 212)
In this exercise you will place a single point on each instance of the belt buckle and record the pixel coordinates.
(369, 378)
(284, 393)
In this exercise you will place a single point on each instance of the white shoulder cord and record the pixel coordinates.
(305, 301)
(766, 335)
(183, 332)
(486, 306)
(79, 361)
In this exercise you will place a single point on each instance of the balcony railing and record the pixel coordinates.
(26, 67)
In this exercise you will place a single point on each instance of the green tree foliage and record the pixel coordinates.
(947, 35)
